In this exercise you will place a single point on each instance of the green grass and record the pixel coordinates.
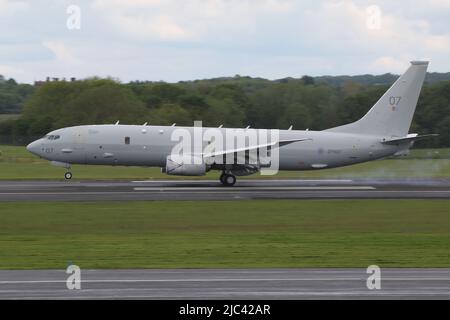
(17, 163)
(442, 153)
(214, 234)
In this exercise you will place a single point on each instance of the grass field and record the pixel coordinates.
(213, 234)
(17, 163)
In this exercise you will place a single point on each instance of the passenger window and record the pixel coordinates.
(127, 140)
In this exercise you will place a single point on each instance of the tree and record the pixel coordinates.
(307, 80)
(355, 106)
(168, 114)
(296, 115)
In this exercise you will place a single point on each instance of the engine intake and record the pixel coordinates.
(185, 166)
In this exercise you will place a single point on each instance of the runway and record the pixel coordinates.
(213, 190)
(227, 284)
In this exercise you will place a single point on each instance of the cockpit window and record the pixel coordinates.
(52, 137)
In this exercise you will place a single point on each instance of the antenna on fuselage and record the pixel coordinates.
(221, 126)
(290, 128)
(174, 124)
(144, 124)
(118, 121)
(248, 127)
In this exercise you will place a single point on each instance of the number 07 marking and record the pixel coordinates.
(394, 101)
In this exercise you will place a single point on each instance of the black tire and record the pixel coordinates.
(222, 178)
(68, 175)
(229, 180)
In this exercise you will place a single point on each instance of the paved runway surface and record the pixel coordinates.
(227, 284)
(213, 190)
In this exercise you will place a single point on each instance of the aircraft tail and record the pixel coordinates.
(392, 115)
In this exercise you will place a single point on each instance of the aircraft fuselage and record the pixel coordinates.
(131, 145)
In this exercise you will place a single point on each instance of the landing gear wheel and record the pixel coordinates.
(228, 180)
(68, 175)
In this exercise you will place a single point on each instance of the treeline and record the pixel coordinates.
(383, 79)
(13, 95)
(233, 102)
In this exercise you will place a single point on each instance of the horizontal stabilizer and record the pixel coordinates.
(409, 138)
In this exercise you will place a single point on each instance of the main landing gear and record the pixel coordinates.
(227, 179)
(68, 175)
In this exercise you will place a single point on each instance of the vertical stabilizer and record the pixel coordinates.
(392, 115)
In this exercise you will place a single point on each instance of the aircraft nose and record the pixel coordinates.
(33, 147)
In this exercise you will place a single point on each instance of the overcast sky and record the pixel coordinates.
(176, 40)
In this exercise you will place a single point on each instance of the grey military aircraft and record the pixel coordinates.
(382, 132)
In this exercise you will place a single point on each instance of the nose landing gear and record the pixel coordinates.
(227, 179)
(68, 175)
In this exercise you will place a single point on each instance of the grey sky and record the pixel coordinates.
(176, 40)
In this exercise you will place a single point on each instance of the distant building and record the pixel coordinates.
(54, 79)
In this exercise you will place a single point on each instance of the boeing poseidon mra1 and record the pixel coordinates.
(382, 132)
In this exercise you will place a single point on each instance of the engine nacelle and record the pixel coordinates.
(185, 166)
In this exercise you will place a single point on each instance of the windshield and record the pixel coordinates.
(52, 137)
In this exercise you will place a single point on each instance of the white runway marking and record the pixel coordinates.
(219, 280)
(228, 190)
(223, 284)
(247, 180)
(254, 188)
(150, 293)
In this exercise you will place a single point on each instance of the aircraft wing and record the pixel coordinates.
(281, 143)
(409, 138)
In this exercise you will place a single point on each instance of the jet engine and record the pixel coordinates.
(185, 166)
